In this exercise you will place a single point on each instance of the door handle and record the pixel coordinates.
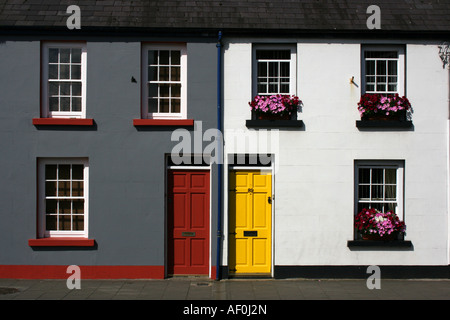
(269, 199)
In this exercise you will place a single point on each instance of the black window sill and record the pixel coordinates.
(274, 123)
(378, 243)
(383, 124)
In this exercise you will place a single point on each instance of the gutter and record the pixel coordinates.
(220, 151)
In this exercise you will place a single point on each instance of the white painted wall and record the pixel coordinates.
(314, 185)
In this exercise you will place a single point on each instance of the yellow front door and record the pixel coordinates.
(250, 222)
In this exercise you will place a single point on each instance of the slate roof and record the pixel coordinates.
(407, 16)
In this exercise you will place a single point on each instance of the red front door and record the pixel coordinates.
(188, 222)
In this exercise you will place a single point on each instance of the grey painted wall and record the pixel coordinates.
(126, 165)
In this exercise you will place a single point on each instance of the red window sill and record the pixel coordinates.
(63, 121)
(61, 242)
(163, 122)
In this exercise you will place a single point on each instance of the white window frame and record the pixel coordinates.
(400, 180)
(45, 109)
(145, 81)
(42, 232)
(401, 66)
(292, 66)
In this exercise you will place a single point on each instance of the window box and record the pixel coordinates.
(380, 124)
(379, 244)
(383, 111)
(274, 124)
(275, 111)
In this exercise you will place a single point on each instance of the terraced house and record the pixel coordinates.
(224, 138)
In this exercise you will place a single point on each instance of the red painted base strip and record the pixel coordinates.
(63, 122)
(162, 122)
(61, 242)
(87, 272)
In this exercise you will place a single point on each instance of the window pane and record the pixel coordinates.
(381, 67)
(64, 171)
(50, 171)
(152, 74)
(164, 90)
(78, 206)
(273, 54)
(50, 188)
(64, 55)
(77, 188)
(381, 54)
(377, 192)
(53, 55)
(152, 57)
(50, 222)
(378, 206)
(273, 69)
(78, 222)
(64, 188)
(391, 176)
(76, 55)
(53, 71)
(164, 105)
(364, 175)
(65, 88)
(64, 223)
(175, 74)
(176, 57)
(176, 90)
(163, 73)
(262, 88)
(262, 69)
(77, 171)
(370, 67)
(153, 91)
(50, 206)
(64, 71)
(176, 105)
(152, 105)
(164, 57)
(284, 69)
(377, 175)
(76, 104)
(392, 67)
(390, 207)
(53, 89)
(284, 88)
(53, 104)
(65, 206)
(64, 104)
(391, 192)
(364, 192)
(76, 72)
(76, 88)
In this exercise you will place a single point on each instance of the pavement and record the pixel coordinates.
(198, 288)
